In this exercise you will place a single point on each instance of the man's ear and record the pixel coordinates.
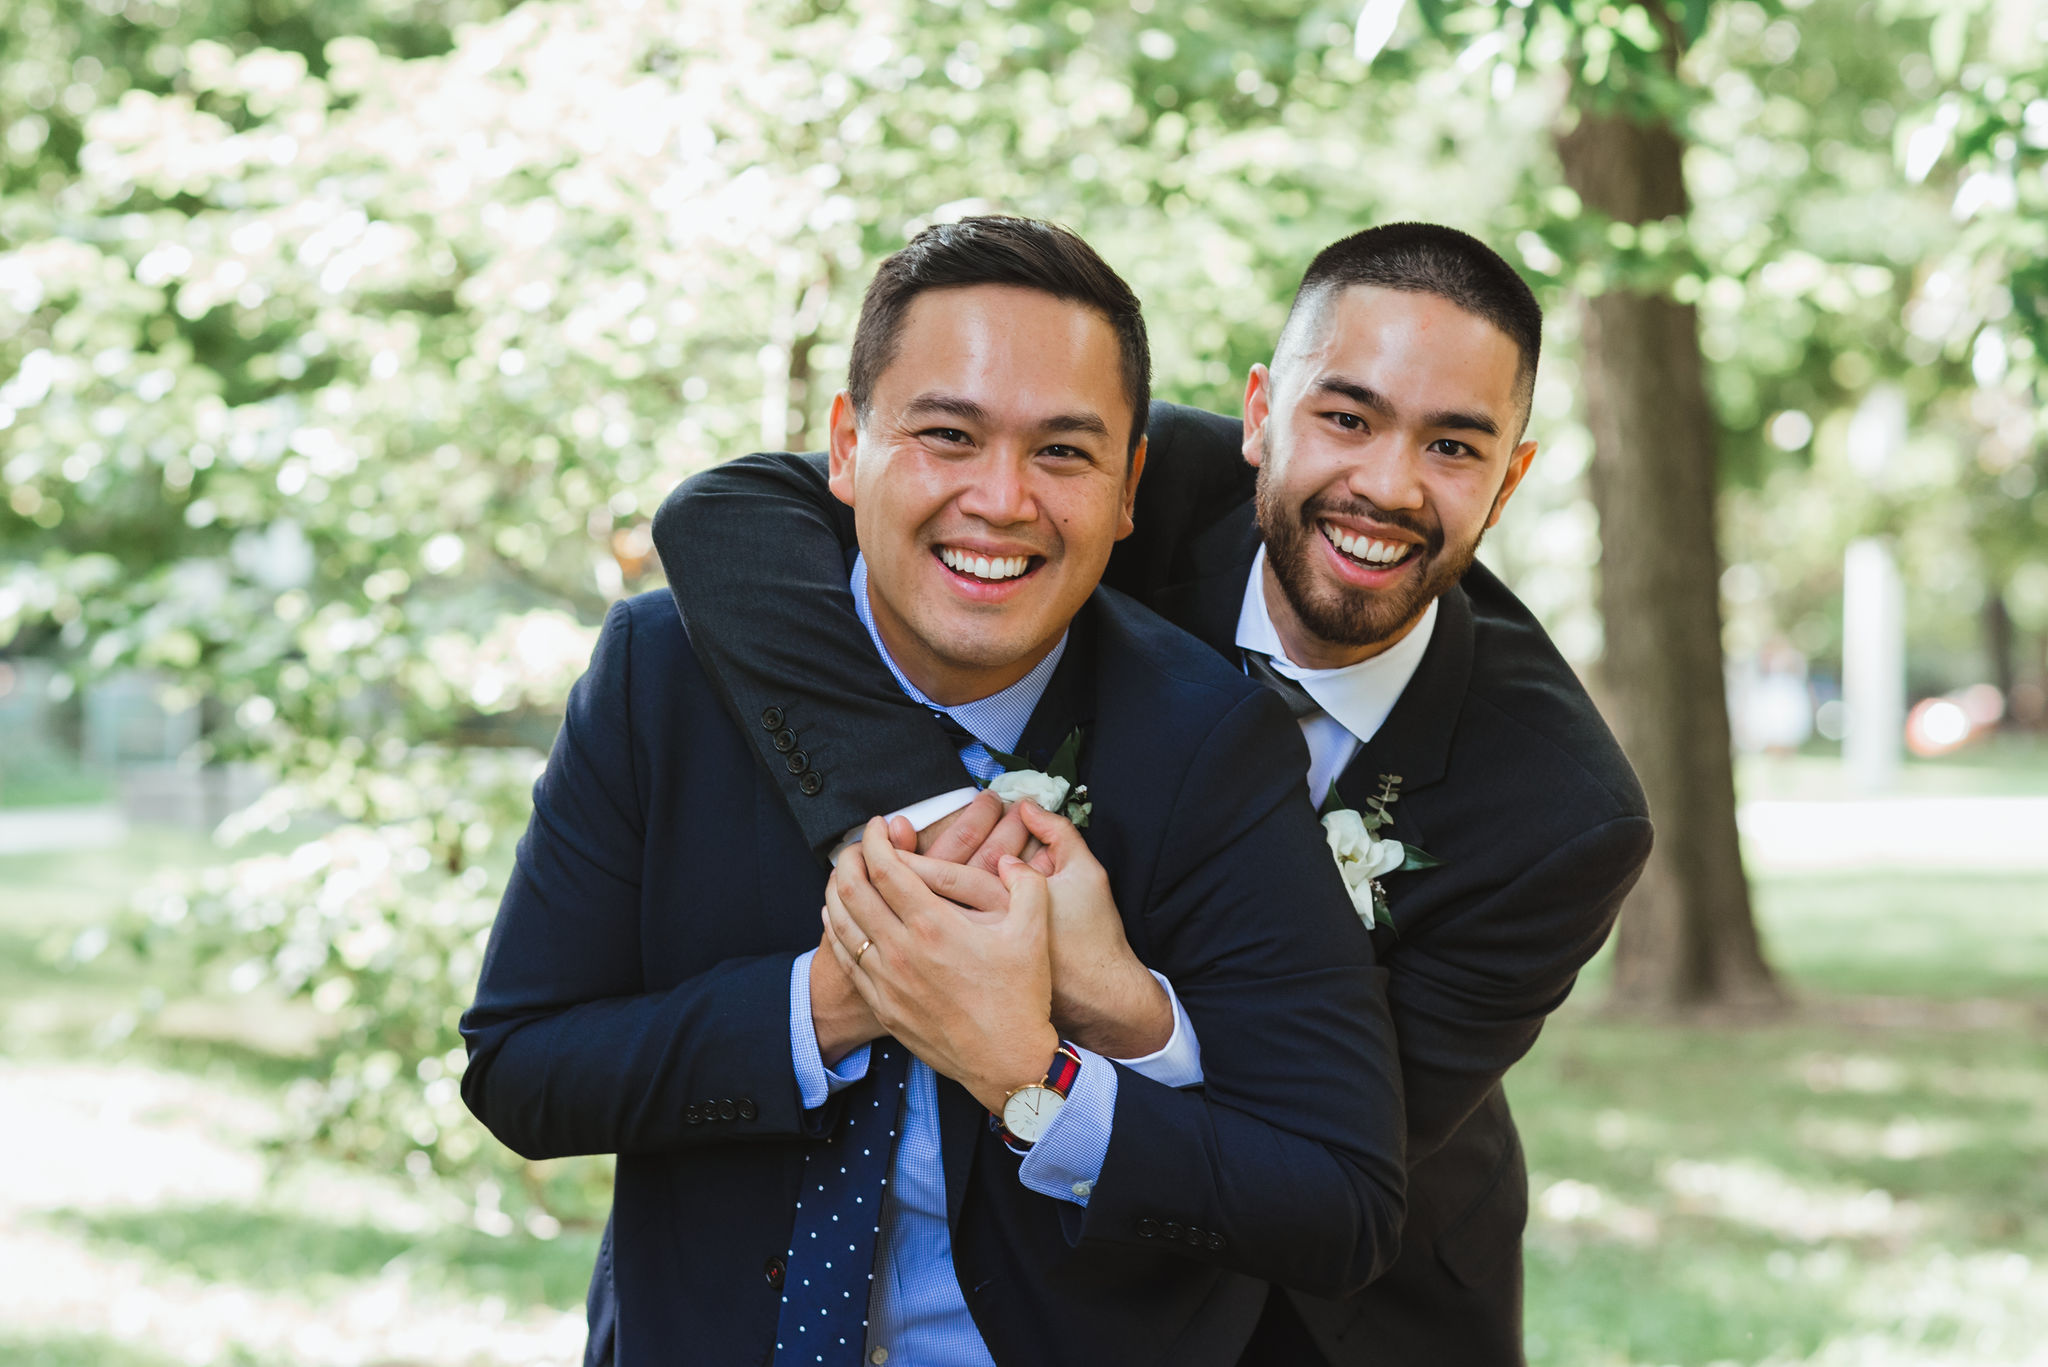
(845, 439)
(1124, 523)
(1258, 409)
(1518, 466)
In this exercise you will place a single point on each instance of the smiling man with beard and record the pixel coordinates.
(1325, 544)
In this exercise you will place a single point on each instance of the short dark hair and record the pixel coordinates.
(1427, 258)
(998, 249)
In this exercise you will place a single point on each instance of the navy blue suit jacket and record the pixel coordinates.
(634, 1000)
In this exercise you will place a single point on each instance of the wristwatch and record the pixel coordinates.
(1030, 1109)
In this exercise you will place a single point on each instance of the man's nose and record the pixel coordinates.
(999, 489)
(1389, 475)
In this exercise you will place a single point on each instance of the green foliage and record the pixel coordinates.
(347, 349)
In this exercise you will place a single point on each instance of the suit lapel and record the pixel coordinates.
(1415, 739)
(1069, 697)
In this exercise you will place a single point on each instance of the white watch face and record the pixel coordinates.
(1028, 1112)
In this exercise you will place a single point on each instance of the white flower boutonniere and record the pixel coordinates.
(1362, 856)
(1057, 787)
(1042, 788)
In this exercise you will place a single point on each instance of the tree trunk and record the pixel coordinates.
(1687, 937)
(2003, 649)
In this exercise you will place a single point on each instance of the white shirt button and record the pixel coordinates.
(1082, 1189)
(879, 1356)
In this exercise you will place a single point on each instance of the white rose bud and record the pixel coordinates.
(1047, 791)
(1384, 857)
(1345, 830)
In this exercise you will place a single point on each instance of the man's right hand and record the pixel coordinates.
(842, 1021)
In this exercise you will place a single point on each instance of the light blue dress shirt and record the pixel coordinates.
(917, 1314)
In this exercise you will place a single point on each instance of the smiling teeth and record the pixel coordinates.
(1368, 549)
(984, 567)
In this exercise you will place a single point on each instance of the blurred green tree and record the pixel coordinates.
(347, 349)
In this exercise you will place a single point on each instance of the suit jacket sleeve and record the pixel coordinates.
(1291, 1154)
(1195, 474)
(756, 556)
(568, 1053)
(1475, 982)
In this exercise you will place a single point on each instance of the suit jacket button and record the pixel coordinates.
(776, 1266)
(796, 761)
(1148, 1228)
(728, 1111)
(1173, 1231)
(691, 1115)
(771, 720)
(747, 1109)
(785, 740)
(810, 783)
(1215, 1242)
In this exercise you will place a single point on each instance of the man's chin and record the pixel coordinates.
(1343, 613)
(985, 642)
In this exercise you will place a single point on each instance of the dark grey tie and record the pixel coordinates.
(1291, 692)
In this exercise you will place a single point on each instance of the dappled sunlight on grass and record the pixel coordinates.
(77, 1350)
(139, 1203)
(1756, 1195)
(1860, 1183)
(1947, 935)
(1785, 1193)
(285, 1249)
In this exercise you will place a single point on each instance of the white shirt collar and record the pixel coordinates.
(1358, 696)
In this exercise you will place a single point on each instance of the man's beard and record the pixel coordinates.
(1337, 614)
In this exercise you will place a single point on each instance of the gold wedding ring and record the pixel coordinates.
(865, 946)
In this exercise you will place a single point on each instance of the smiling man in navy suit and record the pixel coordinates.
(1046, 1115)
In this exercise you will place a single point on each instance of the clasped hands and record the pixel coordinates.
(980, 953)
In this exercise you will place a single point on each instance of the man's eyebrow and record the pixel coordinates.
(951, 405)
(1076, 422)
(954, 406)
(1365, 396)
(1458, 421)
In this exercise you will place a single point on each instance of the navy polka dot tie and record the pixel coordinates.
(824, 1315)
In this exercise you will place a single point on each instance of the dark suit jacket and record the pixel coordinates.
(1508, 775)
(635, 1000)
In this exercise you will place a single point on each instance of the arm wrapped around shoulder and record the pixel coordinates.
(756, 552)
(1288, 1163)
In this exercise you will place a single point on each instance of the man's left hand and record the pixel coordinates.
(967, 991)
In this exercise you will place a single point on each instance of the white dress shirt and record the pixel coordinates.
(1355, 699)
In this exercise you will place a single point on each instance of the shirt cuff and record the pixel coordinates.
(815, 1083)
(918, 814)
(1178, 1063)
(1067, 1159)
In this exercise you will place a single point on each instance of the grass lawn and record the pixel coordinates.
(45, 776)
(1864, 1181)
(2001, 766)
